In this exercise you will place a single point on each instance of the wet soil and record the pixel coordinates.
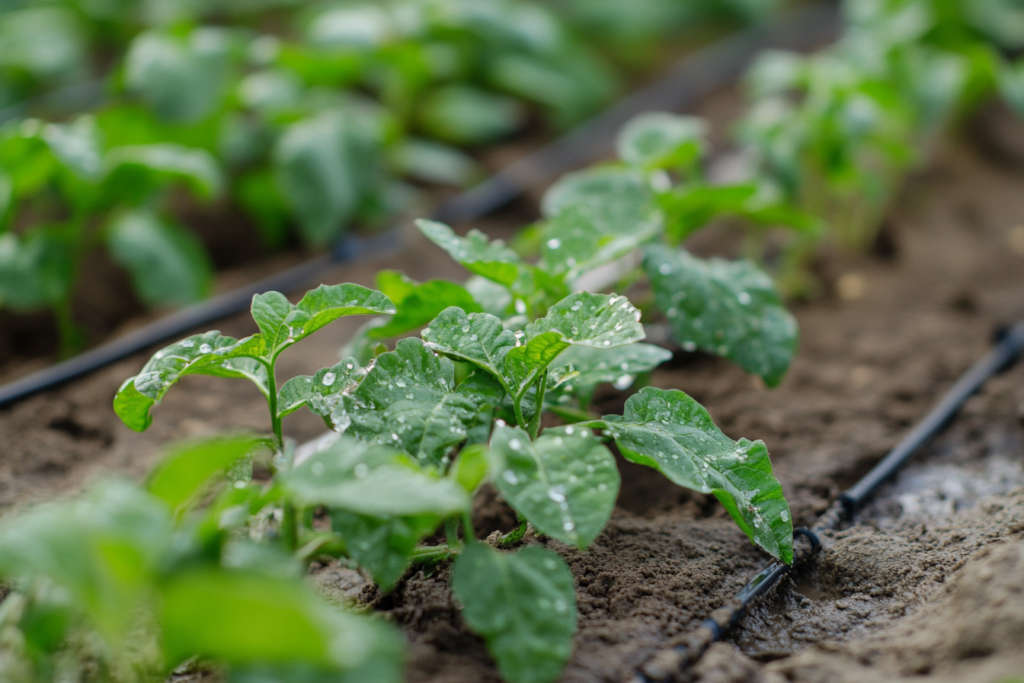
(926, 584)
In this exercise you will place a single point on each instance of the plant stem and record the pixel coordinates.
(542, 388)
(289, 520)
(289, 527)
(432, 553)
(513, 536)
(275, 418)
(451, 532)
(518, 407)
(66, 329)
(469, 535)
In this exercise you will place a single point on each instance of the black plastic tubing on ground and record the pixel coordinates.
(665, 665)
(691, 79)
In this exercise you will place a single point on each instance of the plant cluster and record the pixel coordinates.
(424, 422)
(837, 130)
(317, 127)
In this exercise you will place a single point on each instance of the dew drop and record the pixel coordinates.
(188, 343)
(784, 516)
(744, 298)
(515, 444)
(664, 269)
(510, 477)
(623, 382)
(328, 379)
(557, 493)
(554, 243)
(520, 306)
(689, 346)
(568, 526)
(205, 348)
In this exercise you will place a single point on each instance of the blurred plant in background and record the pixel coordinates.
(839, 129)
(310, 117)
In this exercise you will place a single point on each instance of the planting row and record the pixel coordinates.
(312, 129)
(201, 566)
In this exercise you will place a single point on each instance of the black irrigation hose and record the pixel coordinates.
(665, 665)
(693, 78)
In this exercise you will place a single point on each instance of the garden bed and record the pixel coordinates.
(899, 593)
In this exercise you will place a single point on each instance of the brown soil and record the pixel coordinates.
(933, 595)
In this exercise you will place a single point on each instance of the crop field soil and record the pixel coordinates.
(927, 584)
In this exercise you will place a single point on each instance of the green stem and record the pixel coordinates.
(517, 406)
(542, 388)
(467, 528)
(275, 418)
(322, 544)
(289, 518)
(66, 329)
(432, 553)
(290, 527)
(513, 536)
(451, 533)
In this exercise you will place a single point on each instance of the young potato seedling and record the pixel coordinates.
(423, 425)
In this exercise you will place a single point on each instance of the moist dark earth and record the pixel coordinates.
(926, 585)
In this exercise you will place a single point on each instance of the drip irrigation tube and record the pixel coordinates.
(666, 664)
(692, 78)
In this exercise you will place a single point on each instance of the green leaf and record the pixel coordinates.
(523, 604)
(358, 477)
(167, 263)
(187, 466)
(517, 359)
(465, 115)
(595, 217)
(417, 303)
(282, 323)
(148, 166)
(475, 252)
(661, 140)
(48, 42)
(591, 366)
(36, 269)
(727, 308)
(596, 320)
(243, 618)
(204, 354)
(181, 80)
(318, 172)
(470, 467)
(669, 431)
(324, 389)
(104, 548)
(382, 546)
(564, 483)
(75, 145)
(1011, 85)
(532, 287)
(610, 365)
(409, 400)
(433, 162)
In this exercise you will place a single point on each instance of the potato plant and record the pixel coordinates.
(836, 131)
(63, 194)
(131, 583)
(424, 424)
